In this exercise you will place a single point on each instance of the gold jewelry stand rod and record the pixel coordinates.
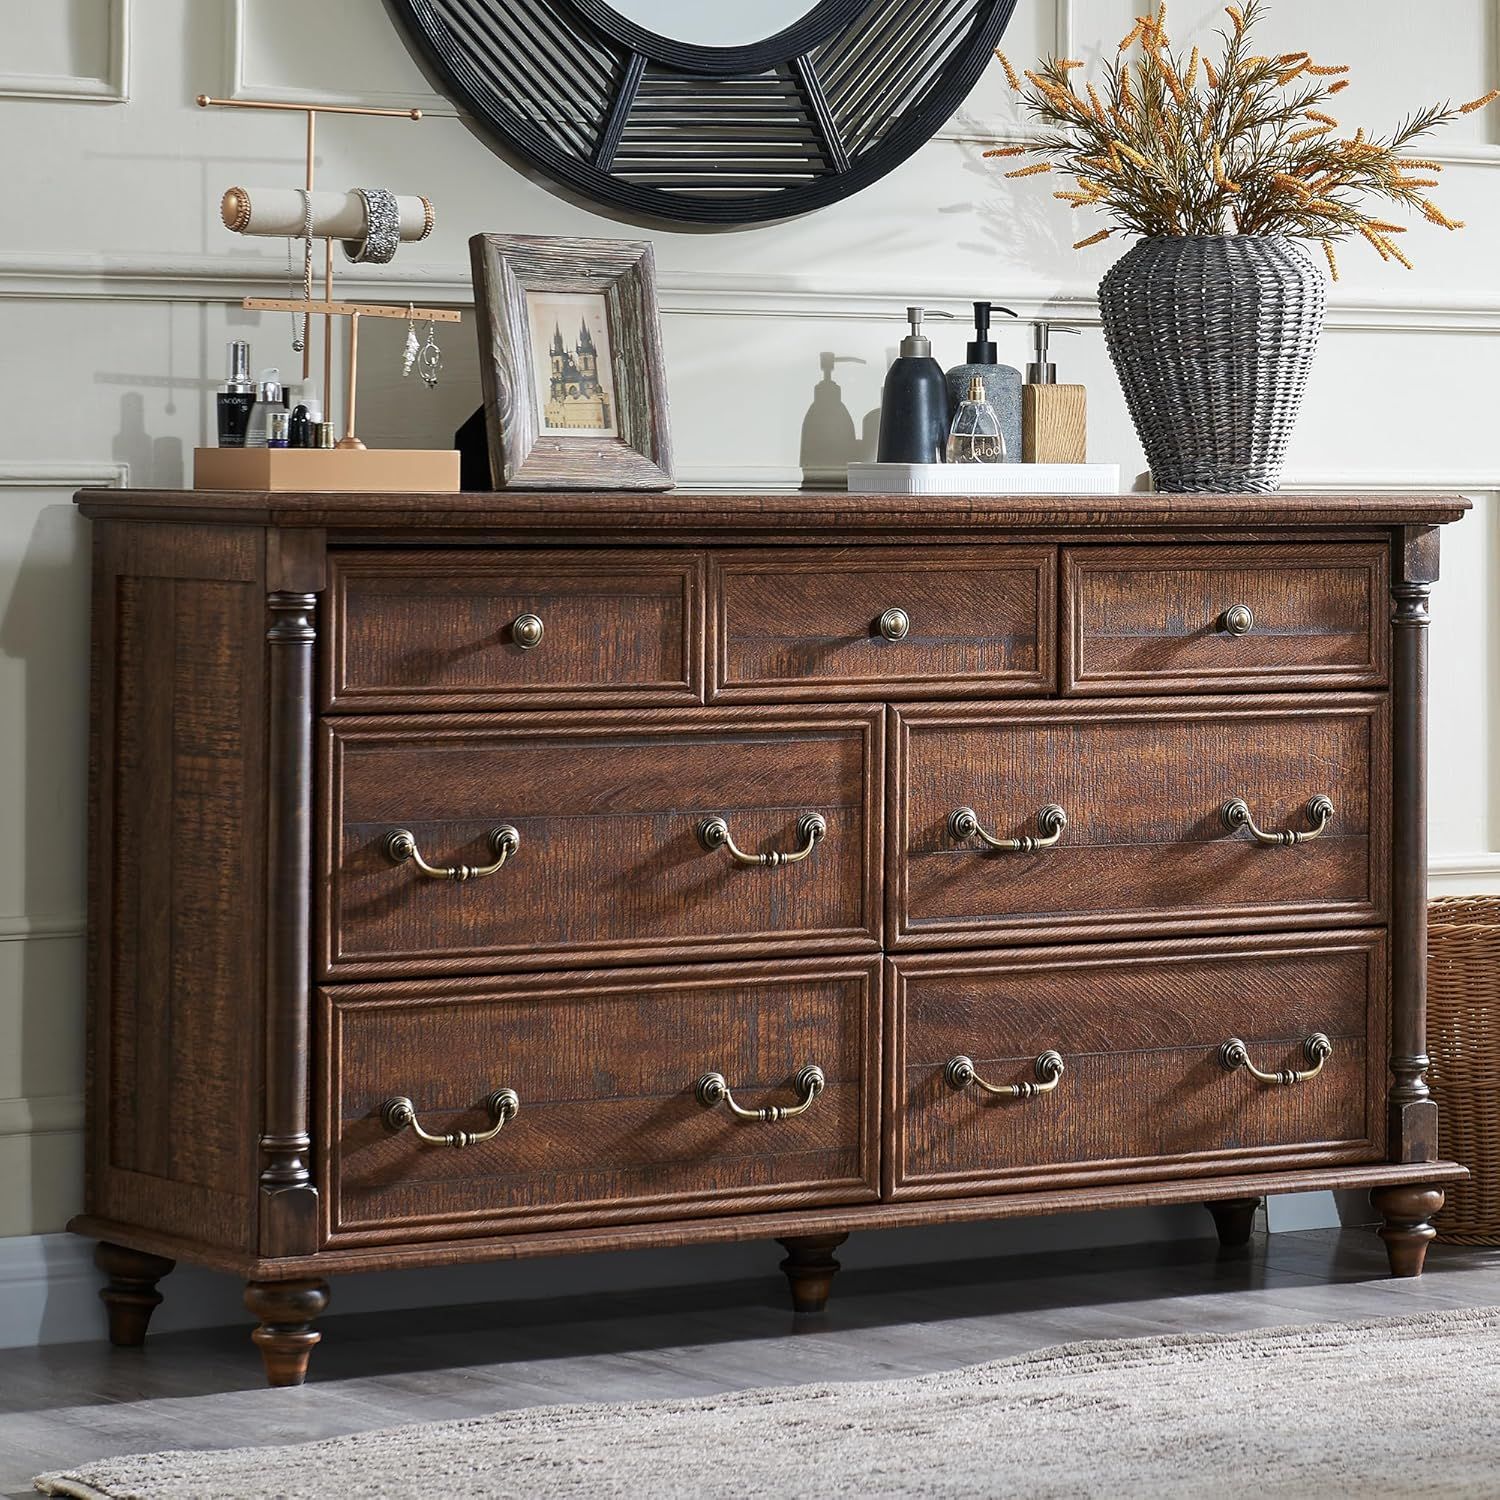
(312, 111)
(352, 309)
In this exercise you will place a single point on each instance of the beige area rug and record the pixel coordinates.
(1398, 1407)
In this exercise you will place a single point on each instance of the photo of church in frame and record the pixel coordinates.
(572, 359)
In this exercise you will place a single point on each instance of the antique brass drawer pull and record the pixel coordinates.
(1317, 1049)
(1236, 815)
(1238, 619)
(713, 833)
(526, 631)
(963, 823)
(959, 1072)
(400, 1113)
(713, 1089)
(401, 846)
(895, 624)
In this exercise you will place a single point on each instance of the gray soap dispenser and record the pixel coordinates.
(914, 403)
(1002, 384)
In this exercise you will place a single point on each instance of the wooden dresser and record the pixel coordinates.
(482, 876)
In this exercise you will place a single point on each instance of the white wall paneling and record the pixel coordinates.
(119, 288)
(76, 50)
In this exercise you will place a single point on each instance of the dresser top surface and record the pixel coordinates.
(833, 514)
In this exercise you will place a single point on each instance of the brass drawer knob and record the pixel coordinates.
(963, 823)
(526, 631)
(1236, 815)
(1317, 1049)
(713, 833)
(713, 1089)
(895, 624)
(959, 1073)
(401, 845)
(399, 1113)
(1238, 619)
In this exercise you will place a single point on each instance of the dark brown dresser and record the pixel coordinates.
(482, 876)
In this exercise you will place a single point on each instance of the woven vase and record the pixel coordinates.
(1213, 337)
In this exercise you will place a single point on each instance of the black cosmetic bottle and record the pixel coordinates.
(914, 403)
(237, 399)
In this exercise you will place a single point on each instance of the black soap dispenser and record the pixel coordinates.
(914, 403)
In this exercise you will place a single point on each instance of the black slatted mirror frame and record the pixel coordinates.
(666, 129)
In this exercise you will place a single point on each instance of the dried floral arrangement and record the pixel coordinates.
(1174, 145)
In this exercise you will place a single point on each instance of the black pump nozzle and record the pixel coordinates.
(982, 349)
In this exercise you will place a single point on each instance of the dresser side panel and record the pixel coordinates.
(176, 927)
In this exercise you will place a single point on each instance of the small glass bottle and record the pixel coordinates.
(975, 436)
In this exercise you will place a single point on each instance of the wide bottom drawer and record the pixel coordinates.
(609, 1119)
(1115, 1061)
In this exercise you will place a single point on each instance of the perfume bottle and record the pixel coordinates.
(975, 437)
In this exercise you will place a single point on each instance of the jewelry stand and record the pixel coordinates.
(350, 465)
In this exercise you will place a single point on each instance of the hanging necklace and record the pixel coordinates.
(299, 320)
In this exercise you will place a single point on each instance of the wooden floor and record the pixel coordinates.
(70, 1403)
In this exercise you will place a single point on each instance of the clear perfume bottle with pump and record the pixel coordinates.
(975, 436)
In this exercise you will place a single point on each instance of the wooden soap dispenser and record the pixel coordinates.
(1054, 418)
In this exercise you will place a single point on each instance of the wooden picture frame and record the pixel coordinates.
(588, 409)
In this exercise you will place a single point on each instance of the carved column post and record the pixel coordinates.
(1413, 1115)
(288, 1196)
(1407, 1208)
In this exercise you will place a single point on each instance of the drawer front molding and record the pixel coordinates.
(1146, 841)
(867, 623)
(489, 628)
(1115, 1058)
(1233, 619)
(582, 1102)
(607, 817)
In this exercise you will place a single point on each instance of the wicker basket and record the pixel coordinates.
(1463, 1038)
(1212, 337)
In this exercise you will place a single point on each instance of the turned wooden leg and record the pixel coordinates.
(286, 1310)
(810, 1268)
(1234, 1218)
(131, 1296)
(1407, 1231)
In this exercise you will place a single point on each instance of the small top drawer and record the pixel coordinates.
(1165, 619)
(864, 622)
(448, 629)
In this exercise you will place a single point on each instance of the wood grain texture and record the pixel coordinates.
(432, 629)
(800, 624)
(609, 1128)
(1054, 424)
(507, 267)
(784, 1223)
(1142, 783)
(176, 840)
(829, 517)
(1143, 1093)
(610, 867)
(1149, 619)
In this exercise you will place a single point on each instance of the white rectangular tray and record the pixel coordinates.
(984, 479)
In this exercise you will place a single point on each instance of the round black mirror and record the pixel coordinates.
(803, 105)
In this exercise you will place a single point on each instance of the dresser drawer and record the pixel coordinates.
(614, 863)
(1144, 788)
(457, 629)
(1240, 618)
(864, 622)
(1143, 1090)
(605, 1067)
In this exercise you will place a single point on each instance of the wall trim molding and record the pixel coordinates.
(22, 928)
(239, 86)
(16, 474)
(113, 87)
(42, 1114)
(227, 279)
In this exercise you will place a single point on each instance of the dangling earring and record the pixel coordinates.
(430, 358)
(409, 354)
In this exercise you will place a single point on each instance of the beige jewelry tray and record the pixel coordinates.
(358, 470)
